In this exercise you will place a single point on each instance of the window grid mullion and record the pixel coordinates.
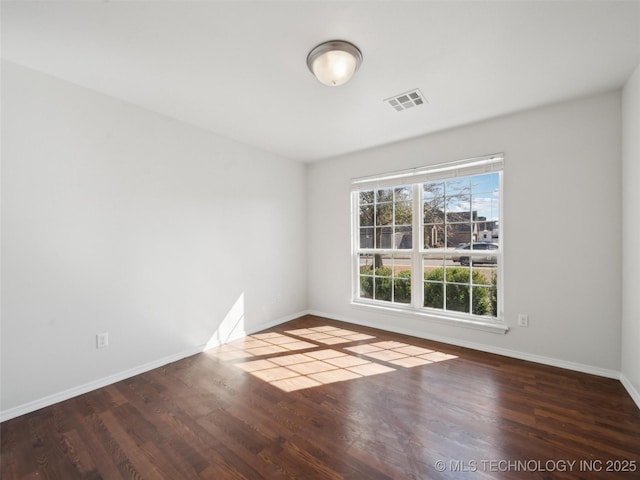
(446, 245)
(417, 268)
(472, 240)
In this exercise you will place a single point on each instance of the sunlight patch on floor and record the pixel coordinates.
(319, 365)
(401, 354)
(297, 371)
(329, 335)
(260, 344)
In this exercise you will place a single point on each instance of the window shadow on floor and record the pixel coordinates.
(272, 356)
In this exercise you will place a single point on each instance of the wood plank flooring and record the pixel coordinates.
(319, 399)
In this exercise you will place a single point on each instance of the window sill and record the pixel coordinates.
(476, 324)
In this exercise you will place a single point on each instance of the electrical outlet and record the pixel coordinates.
(523, 320)
(102, 340)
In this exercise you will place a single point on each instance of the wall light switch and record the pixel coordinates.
(102, 340)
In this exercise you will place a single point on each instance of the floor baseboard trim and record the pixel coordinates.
(49, 400)
(105, 381)
(631, 389)
(554, 362)
(93, 385)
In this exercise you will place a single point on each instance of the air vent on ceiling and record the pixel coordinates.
(407, 100)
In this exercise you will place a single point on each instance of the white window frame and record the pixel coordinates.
(415, 178)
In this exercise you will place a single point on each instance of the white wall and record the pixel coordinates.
(117, 219)
(562, 198)
(631, 235)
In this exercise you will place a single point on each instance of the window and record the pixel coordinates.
(428, 240)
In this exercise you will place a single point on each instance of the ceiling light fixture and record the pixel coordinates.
(334, 62)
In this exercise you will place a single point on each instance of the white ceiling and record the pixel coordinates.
(238, 68)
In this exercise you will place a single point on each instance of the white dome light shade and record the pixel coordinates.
(334, 63)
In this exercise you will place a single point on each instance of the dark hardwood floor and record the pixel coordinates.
(319, 399)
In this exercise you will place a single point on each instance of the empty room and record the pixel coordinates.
(320, 240)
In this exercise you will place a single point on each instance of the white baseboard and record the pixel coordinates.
(635, 395)
(554, 362)
(93, 385)
(49, 400)
(103, 382)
